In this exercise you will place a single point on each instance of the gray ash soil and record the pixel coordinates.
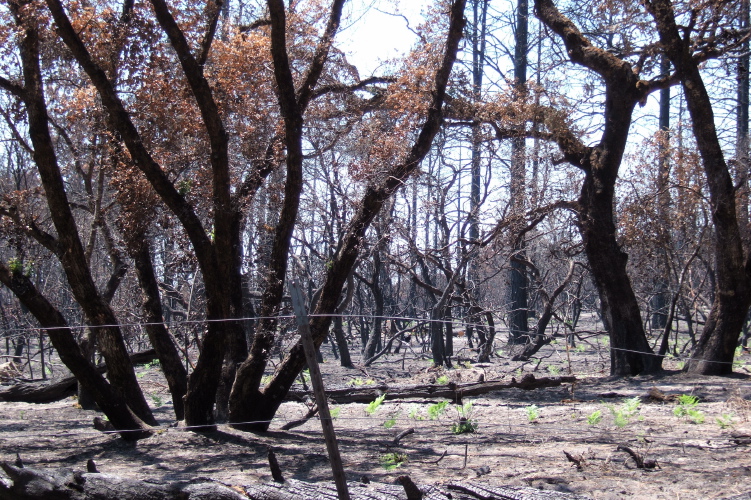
(520, 437)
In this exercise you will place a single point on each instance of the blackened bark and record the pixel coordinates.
(716, 347)
(72, 254)
(243, 399)
(166, 351)
(114, 406)
(630, 351)
(268, 401)
(518, 314)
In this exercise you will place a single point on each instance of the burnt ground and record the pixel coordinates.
(520, 436)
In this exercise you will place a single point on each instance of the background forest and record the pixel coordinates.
(526, 172)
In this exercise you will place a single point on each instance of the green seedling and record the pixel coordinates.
(725, 420)
(580, 348)
(15, 265)
(157, 399)
(358, 382)
(466, 423)
(687, 408)
(622, 415)
(533, 413)
(266, 379)
(334, 412)
(554, 370)
(391, 461)
(373, 405)
(436, 410)
(595, 417)
(442, 380)
(388, 424)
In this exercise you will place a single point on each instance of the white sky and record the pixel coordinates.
(376, 31)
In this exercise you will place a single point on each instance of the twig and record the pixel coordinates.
(297, 423)
(402, 434)
(441, 457)
(578, 461)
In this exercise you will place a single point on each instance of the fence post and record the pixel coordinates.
(298, 304)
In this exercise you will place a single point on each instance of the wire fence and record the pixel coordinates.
(582, 335)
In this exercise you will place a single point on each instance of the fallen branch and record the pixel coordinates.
(641, 462)
(42, 484)
(453, 392)
(399, 436)
(48, 392)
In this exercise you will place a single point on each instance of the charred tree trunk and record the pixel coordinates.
(67, 246)
(293, 100)
(518, 279)
(266, 402)
(630, 351)
(716, 347)
(113, 404)
(169, 358)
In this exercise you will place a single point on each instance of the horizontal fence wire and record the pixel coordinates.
(21, 332)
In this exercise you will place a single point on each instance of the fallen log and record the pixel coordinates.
(43, 484)
(451, 391)
(48, 392)
(18, 483)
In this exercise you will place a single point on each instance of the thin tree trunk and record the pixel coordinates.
(166, 351)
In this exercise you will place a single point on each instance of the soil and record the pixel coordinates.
(520, 436)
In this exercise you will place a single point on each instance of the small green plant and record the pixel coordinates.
(466, 423)
(358, 382)
(306, 375)
(184, 186)
(687, 404)
(442, 380)
(388, 424)
(519, 372)
(595, 417)
(391, 461)
(436, 410)
(21, 414)
(266, 379)
(554, 369)
(375, 404)
(681, 365)
(533, 413)
(157, 399)
(15, 265)
(725, 420)
(622, 415)
(334, 412)
(467, 364)
(580, 348)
